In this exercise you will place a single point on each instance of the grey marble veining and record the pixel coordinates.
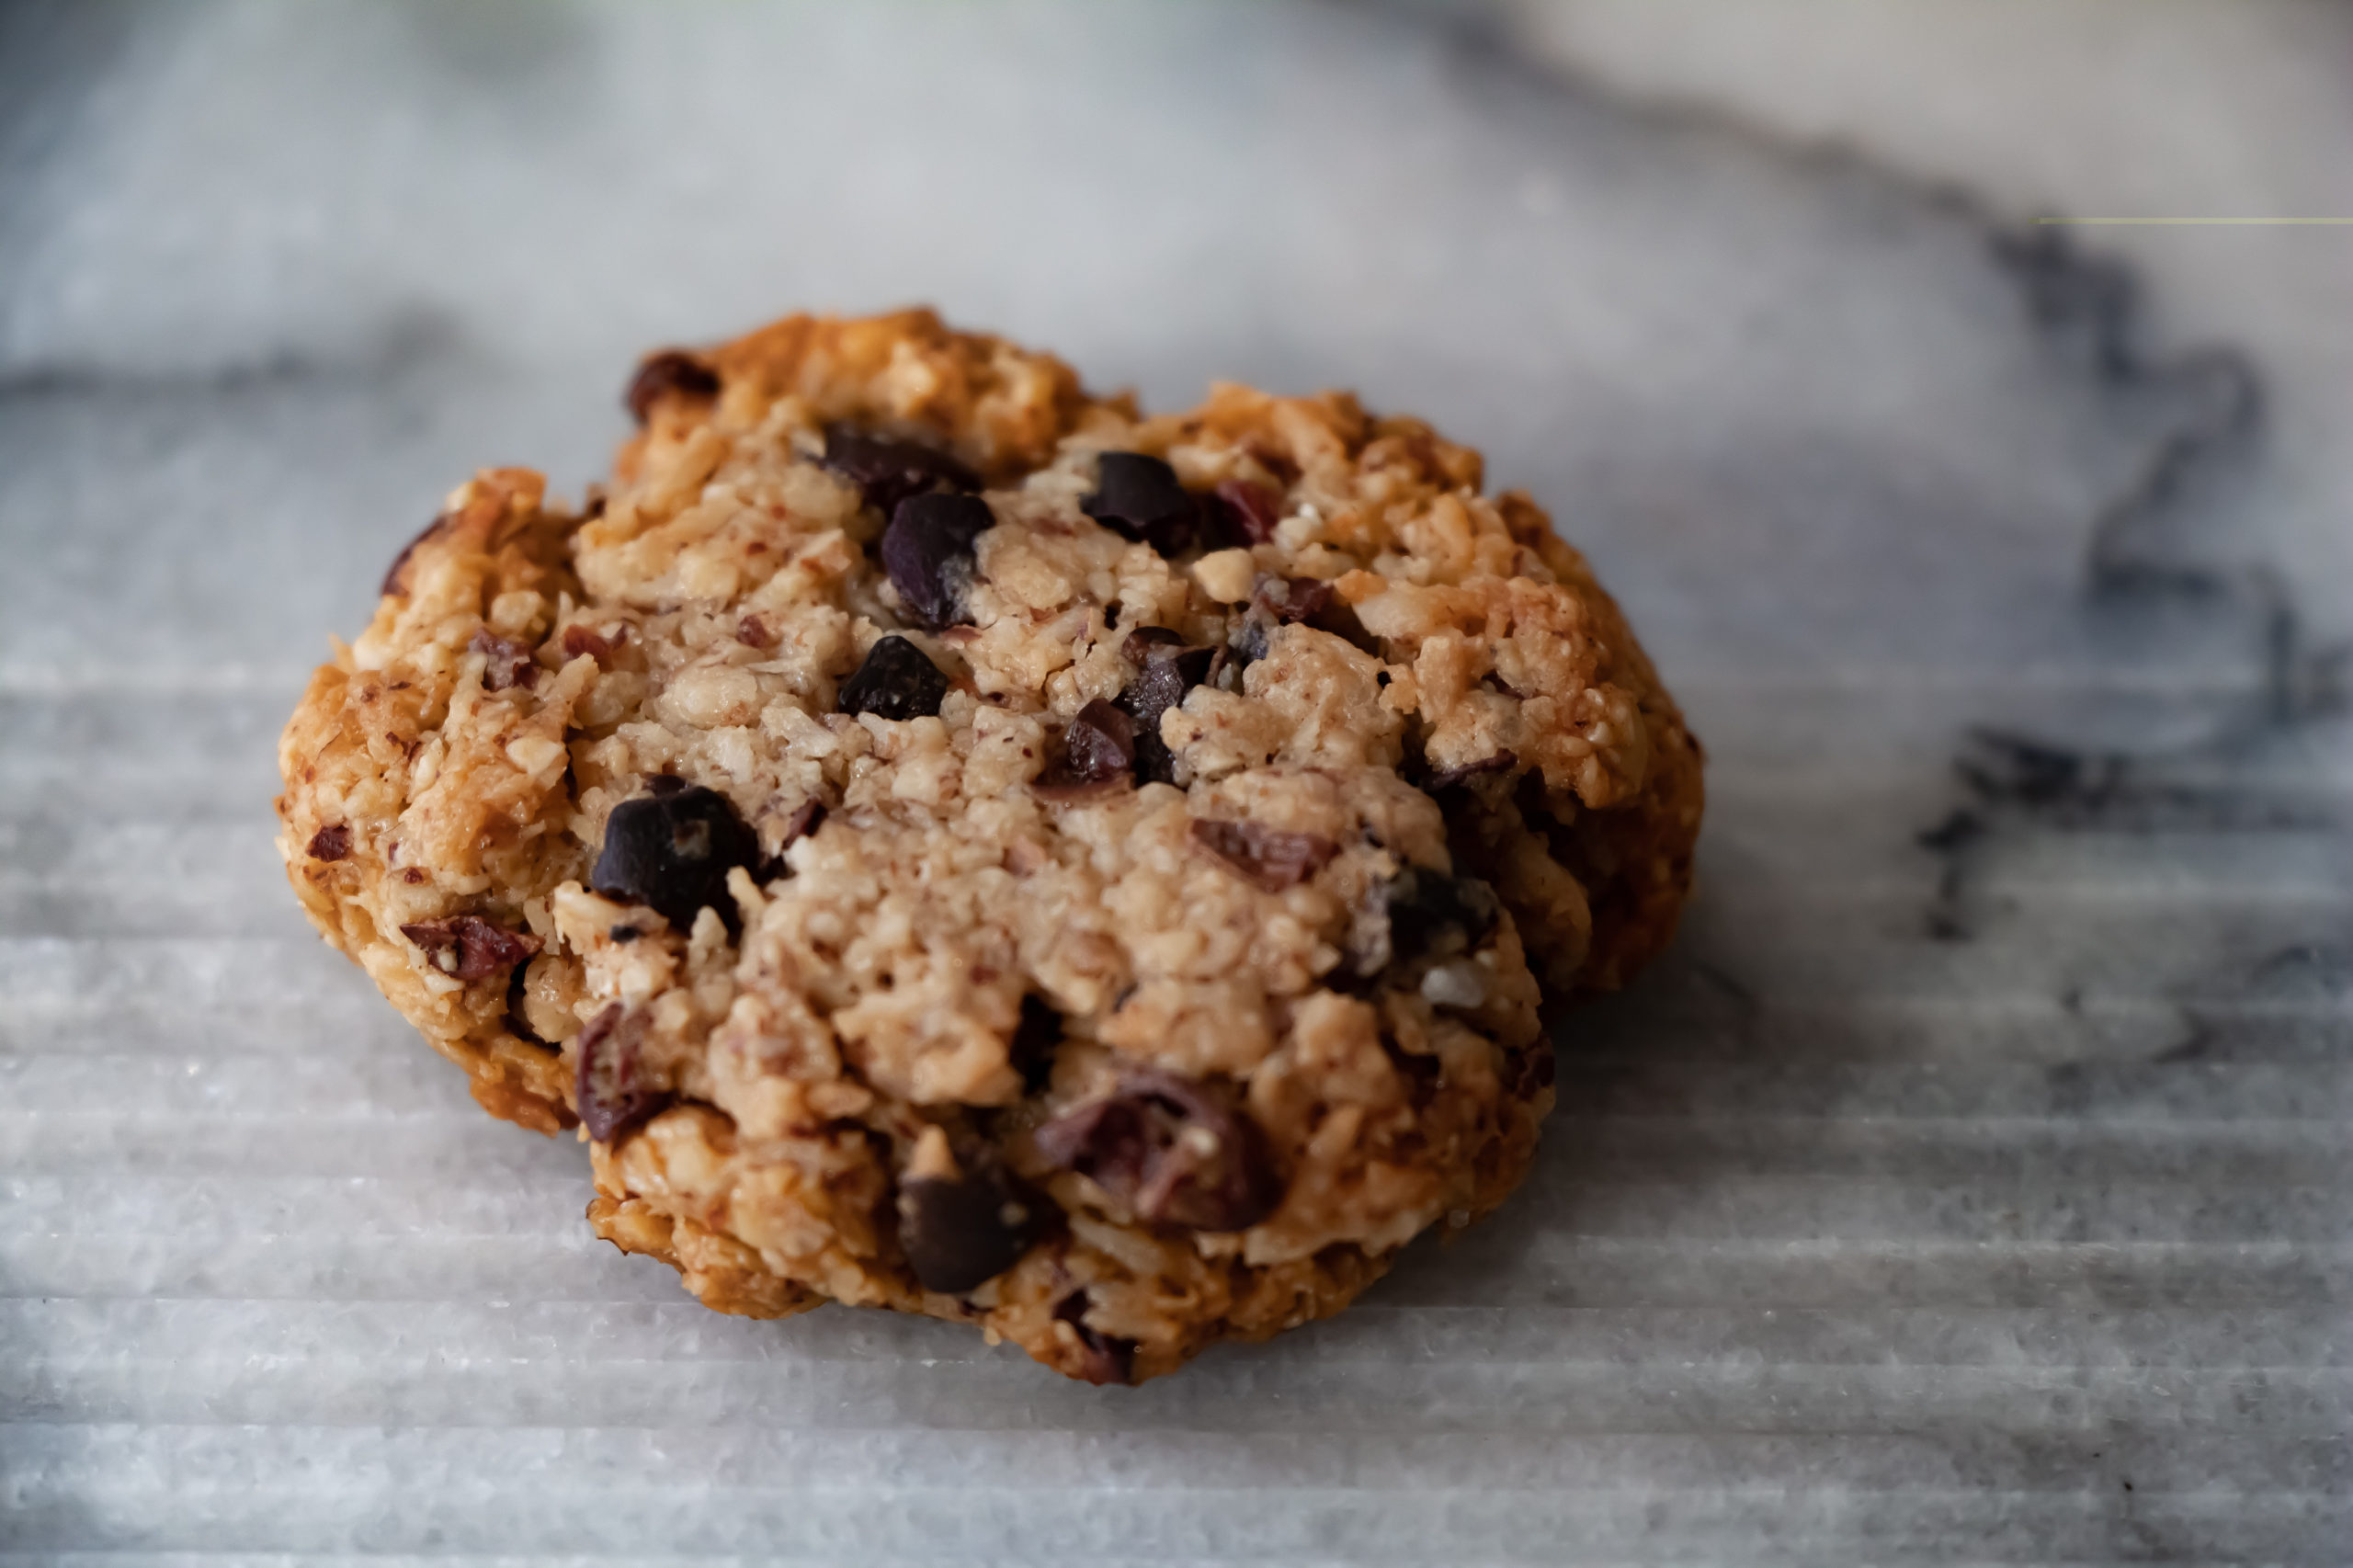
(1970, 1182)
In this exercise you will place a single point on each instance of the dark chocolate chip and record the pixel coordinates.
(1174, 1151)
(1165, 670)
(1164, 675)
(927, 550)
(518, 1018)
(671, 371)
(331, 842)
(1100, 745)
(960, 1234)
(673, 851)
(1139, 643)
(1138, 497)
(1533, 1070)
(663, 785)
(623, 934)
(469, 947)
(1268, 857)
(1034, 1041)
(896, 682)
(1453, 778)
(1109, 1359)
(614, 1092)
(1246, 643)
(1432, 915)
(396, 575)
(508, 663)
(1155, 764)
(886, 470)
(1251, 511)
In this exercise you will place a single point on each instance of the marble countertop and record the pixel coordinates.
(1972, 1182)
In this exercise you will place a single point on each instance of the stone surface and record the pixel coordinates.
(1971, 1181)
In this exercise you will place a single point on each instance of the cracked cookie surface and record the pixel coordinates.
(953, 843)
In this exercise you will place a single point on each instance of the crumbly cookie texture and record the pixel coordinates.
(953, 843)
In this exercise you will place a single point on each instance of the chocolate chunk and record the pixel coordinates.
(1251, 511)
(1246, 645)
(927, 550)
(1034, 1041)
(960, 1234)
(1172, 1150)
(396, 575)
(754, 631)
(331, 842)
(1144, 640)
(1100, 745)
(1164, 673)
(673, 851)
(896, 682)
(508, 662)
(1165, 670)
(518, 1019)
(671, 371)
(1109, 1359)
(1532, 1070)
(1138, 497)
(888, 472)
(1432, 915)
(1502, 761)
(1268, 857)
(614, 1092)
(469, 947)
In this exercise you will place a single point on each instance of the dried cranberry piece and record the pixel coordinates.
(508, 662)
(331, 842)
(579, 639)
(1138, 496)
(1432, 915)
(671, 371)
(469, 947)
(888, 471)
(1171, 1150)
(1268, 857)
(673, 850)
(1251, 511)
(396, 575)
(614, 1092)
(927, 550)
(1098, 745)
(1293, 599)
(896, 682)
(960, 1232)
(1109, 1359)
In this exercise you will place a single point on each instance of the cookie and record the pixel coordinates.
(951, 842)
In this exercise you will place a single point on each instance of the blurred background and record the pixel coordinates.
(1970, 1182)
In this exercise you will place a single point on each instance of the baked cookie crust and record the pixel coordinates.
(953, 843)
